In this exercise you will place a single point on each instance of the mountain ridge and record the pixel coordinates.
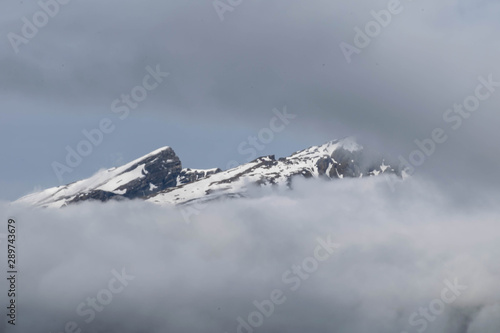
(159, 177)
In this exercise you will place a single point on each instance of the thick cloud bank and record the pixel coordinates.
(404, 261)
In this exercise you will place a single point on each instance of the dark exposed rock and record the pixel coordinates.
(188, 176)
(160, 172)
(323, 164)
(96, 195)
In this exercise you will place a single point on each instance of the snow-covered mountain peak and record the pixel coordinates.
(145, 175)
(332, 160)
(159, 177)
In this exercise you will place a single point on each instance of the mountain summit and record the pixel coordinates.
(158, 177)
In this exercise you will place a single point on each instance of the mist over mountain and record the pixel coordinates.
(393, 257)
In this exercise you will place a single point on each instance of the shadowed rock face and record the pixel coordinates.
(187, 176)
(353, 164)
(160, 172)
(95, 195)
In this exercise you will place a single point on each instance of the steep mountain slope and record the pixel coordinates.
(159, 177)
(150, 174)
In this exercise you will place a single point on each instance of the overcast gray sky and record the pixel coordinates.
(226, 77)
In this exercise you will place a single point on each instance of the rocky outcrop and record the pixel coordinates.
(159, 172)
(187, 176)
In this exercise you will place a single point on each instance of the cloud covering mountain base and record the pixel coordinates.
(407, 261)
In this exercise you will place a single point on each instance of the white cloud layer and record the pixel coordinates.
(396, 251)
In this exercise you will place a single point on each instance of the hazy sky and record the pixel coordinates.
(226, 76)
